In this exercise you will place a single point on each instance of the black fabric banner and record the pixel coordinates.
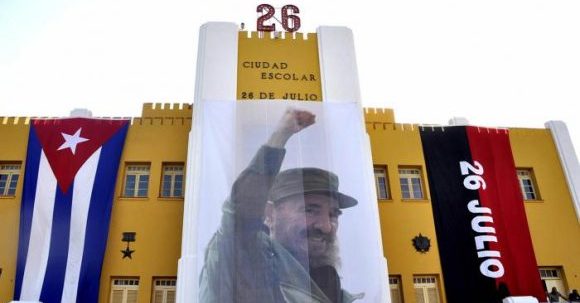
(479, 215)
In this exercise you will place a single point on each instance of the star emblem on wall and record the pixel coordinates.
(127, 253)
(128, 236)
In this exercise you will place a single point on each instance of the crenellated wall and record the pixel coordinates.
(551, 218)
(379, 115)
(15, 120)
(161, 134)
(168, 110)
(395, 145)
(13, 142)
(278, 35)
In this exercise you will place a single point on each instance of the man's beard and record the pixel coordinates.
(331, 257)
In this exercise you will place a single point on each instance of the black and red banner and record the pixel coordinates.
(482, 231)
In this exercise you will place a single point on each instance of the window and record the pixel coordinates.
(382, 183)
(136, 180)
(426, 290)
(172, 181)
(550, 273)
(552, 277)
(9, 174)
(164, 290)
(527, 184)
(395, 286)
(411, 185)
(124, 290)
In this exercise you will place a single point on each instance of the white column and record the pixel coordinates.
(338, 69)
(340, 84)
(217, 62)
(568, 159)
(216, 79)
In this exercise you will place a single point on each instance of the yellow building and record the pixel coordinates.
(159, 147)
(549, 208)
(157, 141)
(151, 213)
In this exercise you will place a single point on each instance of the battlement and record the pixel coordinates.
(167, 110)
(393, 126)
(14, 120)
(138, 121)
(379, 114)
(435, 127)
(9, 121)
(161, 121)
(287, 36)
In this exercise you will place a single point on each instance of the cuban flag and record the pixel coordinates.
(69, 182)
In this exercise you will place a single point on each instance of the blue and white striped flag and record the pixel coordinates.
(69, 183)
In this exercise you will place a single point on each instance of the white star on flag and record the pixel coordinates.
(72, 141)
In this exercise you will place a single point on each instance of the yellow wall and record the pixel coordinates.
(292, 59)
(553, 224)
(160, 136)
(395, 145)
(13, 142)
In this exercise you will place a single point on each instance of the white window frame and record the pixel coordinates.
(423, 284)
(11, 171)
(165, 286)
(550, 273)
(173, 171)
(528, 184)
(142, 174)
(127, 286)
(408, 178)
(381, 174)
(396, 289)
(552, 276)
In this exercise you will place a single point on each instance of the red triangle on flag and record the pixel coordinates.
(68, 143)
